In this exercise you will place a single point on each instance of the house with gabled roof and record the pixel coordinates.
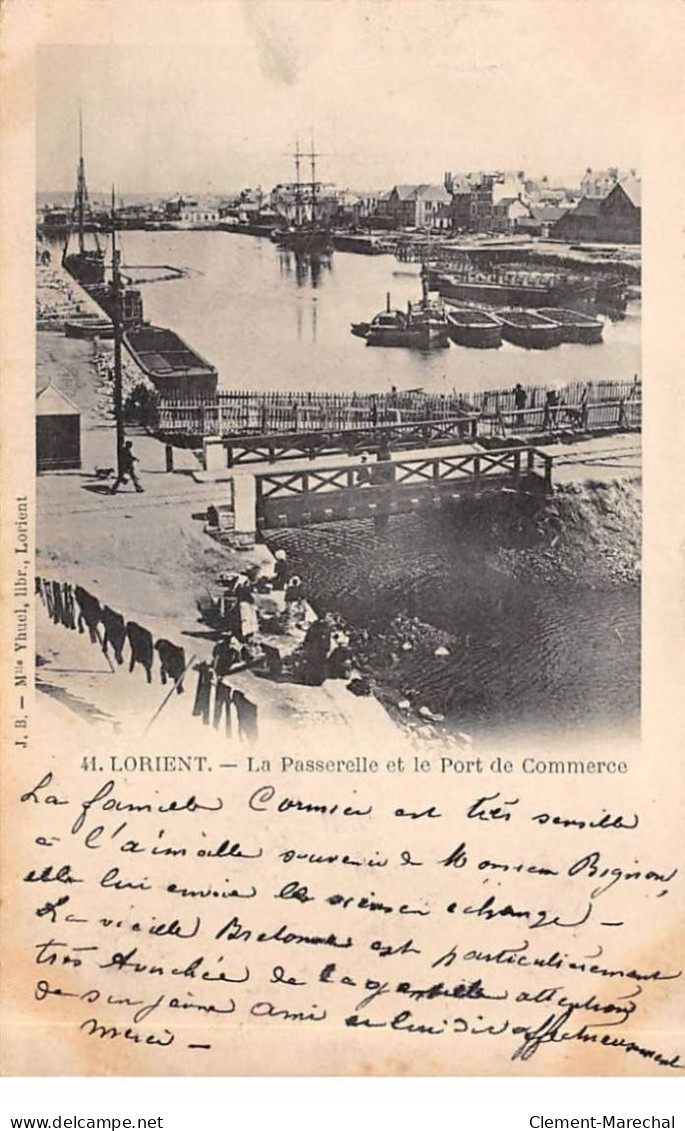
(508, 213)
(616, 217)
(419, 206)
(58, 431)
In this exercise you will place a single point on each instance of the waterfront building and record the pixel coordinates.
(357, 209)
(420, 206)
(401, 205)
(189, 213)
(480, 204)
(460, 206)
(432, 207)
(472, 200)
(598, 183)
(544, 217)
(194, 214)
(509, 214)
(615, 217)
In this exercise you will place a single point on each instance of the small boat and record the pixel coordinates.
(89, 327)
(529, 329)
(422, 327)
(575, 326)
(427, 323)
(475, 328)
(389, 328)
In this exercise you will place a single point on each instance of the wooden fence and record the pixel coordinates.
(622, 415)
(237, 413)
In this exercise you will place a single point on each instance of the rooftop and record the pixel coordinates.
(632, 187)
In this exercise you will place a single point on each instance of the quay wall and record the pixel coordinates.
(59, 297)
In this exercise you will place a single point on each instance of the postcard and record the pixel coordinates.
(343, 664)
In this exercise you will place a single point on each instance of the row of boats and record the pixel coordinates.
(430, 324)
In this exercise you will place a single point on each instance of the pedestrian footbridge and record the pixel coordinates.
(314, 494)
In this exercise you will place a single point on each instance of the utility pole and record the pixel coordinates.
(116, 323)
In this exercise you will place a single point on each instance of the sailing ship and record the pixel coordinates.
(86, 265)
(305, 234)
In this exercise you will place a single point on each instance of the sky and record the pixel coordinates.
(392, 91)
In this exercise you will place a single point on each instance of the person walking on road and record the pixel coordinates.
(127, 470)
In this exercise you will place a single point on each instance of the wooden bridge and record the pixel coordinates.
(350, 441)
(376, 490)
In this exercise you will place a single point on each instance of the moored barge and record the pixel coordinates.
(529, 329)
(575, 325)
(478, 329)
(170, 363)
(89, 327)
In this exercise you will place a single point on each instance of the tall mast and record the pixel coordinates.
(81, 190)
(298, 186)
(313, 156)
(81, 204)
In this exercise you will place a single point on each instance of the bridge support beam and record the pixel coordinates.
(245, 505)
(215, 454)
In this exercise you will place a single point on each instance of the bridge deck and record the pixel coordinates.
(330, 490)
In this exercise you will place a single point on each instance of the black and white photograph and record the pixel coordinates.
(343, 699)
(337, 400)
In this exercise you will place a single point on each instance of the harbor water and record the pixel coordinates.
(268, 323)
(542, 656)
(558, 653)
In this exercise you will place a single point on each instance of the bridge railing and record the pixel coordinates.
(476, 468)
(409, 434)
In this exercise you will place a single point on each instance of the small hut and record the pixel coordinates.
(58, 431)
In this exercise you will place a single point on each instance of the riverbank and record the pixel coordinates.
(59, 298)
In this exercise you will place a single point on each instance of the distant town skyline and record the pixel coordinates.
(391, 94)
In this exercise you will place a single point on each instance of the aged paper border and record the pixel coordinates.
(661, 773)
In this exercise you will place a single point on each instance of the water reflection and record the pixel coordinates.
(306, 268)
(248, 306)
